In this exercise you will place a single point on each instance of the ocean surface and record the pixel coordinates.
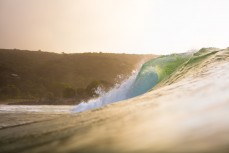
(184, 107)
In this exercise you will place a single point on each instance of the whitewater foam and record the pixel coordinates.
(118, 93)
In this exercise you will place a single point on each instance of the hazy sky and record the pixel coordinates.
(131, 26)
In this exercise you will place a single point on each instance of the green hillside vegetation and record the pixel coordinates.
(51, 78)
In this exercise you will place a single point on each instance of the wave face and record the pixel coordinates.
(154, 71)
(166, 67)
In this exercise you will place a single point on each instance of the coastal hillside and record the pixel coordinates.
(51, 76)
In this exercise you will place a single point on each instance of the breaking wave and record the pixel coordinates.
(149, 75)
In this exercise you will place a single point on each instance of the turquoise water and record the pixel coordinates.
(154, 71)
(146, 79)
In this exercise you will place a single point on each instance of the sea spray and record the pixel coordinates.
(118, 93)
